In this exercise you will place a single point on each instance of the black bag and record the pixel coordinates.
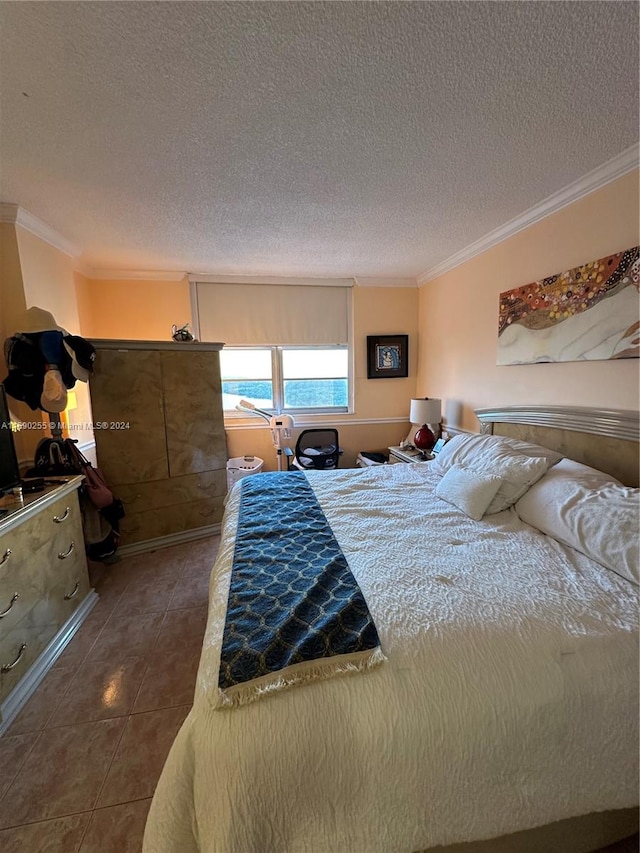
(54, 459)
(101, 512)
(101, 538)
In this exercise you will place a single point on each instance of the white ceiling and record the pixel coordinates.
(305, 138)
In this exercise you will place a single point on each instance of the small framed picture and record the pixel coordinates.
(387, 356)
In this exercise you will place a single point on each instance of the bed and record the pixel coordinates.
(502, 714)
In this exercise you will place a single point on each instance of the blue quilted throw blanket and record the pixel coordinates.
(295, 612)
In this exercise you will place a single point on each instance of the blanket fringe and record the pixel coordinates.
(251, 691)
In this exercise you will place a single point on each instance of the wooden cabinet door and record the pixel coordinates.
(196, 439)
(128, 416)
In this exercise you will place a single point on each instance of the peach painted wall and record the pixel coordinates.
(458, 313)
(382, 403)
(12, 301)
(146, 310)
(48, 278)
(83, 301)
(12, 307)
(132, 310)
(48, 282)
(384, 311)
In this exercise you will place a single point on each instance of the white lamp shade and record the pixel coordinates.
(426, 411)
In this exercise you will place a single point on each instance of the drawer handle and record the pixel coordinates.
(58, 519)
(7, 667)
(5, 556)
(63, 555)
(71, 595)
(16, 596)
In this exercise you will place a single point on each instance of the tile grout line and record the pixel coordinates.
(124, 727)
(82, 662)
(148, 656)
(130, 714)
(181, 577)
(40, 731)
(29, 751)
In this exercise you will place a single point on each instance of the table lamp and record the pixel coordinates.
(426, 415)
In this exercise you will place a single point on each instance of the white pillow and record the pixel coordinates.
(470, 492)
(468, 448)
(590, 477)
(494, 454)
(589, 511)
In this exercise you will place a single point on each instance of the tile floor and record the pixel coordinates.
(79, 764)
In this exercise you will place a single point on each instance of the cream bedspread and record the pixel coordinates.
(508, 700)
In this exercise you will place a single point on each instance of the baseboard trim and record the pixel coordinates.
(171, 539)
(23, 691)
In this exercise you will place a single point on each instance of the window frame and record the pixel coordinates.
(277, 382)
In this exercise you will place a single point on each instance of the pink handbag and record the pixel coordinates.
(94, 484)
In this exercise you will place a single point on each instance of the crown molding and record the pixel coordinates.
(615, 168)
(17, 215)
(82, 267)
(178, 275)
(366, 281)
(195, 278)
(134, 275)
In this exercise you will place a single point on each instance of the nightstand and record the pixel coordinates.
(404, 454)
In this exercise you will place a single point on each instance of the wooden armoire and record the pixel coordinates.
(159, 432)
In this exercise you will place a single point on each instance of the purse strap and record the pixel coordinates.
(72, 447)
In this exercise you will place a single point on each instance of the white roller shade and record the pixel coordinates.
(273, 314)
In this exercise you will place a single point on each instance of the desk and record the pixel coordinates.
(404, 454)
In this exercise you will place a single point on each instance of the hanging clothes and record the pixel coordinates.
(44, 361)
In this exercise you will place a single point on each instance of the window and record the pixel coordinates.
(286, 379)
(286, 341)
(246, 374)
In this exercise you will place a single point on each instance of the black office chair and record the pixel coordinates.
(317, 449)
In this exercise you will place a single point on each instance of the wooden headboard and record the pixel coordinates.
(606, 439)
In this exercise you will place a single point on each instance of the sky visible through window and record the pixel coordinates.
(312, 378)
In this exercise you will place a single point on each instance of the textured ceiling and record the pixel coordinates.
(305, 138)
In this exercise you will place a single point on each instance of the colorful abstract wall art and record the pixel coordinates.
(590, 312)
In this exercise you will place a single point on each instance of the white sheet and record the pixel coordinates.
(508, 700)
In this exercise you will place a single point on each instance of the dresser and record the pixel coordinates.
(44, 588)
(160, 439)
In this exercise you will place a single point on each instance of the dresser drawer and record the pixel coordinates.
(39, 625)
(34, 532)
(44, 552)
(21, 647)
(53, 529)
(65, 527)
(63, 599)
(29, 582)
